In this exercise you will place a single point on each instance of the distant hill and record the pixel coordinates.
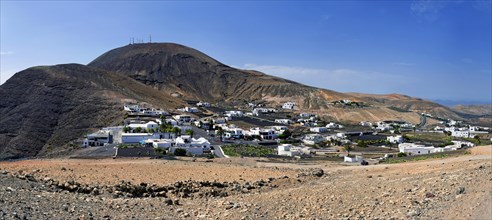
(408, 103)
(478, 110)
(44, 108)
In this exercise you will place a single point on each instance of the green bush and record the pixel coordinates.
(180, 152)
(236, 150)
(401, 154)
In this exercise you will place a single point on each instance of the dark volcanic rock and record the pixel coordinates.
(43, 108)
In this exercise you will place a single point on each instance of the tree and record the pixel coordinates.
(477, 138)
(176, 131)
(286, 134)
(361, 143)
(347, 147)
(137, 130)
(220, 132)
(190, 132)
(126, 129)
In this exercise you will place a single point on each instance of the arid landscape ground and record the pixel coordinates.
(246, 188)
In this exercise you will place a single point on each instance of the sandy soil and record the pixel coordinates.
(110, 171)
(450, 188)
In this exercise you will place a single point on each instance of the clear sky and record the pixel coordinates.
(428, 49)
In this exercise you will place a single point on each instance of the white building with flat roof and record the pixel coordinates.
(182, 118)
(289, 105)
(148, 125)
(462, 134)
(312, 139)
(288, 150)
(398, 139)
(134, 138)
(416, 149)
(318, 129)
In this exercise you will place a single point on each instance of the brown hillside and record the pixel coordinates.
(179, 69)
(408, 103)
(46, 107)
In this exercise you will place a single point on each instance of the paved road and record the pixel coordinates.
(423, 121)
(103, 151)
(219, 153)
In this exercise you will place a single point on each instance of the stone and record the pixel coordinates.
(317, 172)
(429, 195)
(168, 201)
(461, 190)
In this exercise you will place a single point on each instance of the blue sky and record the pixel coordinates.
(428, 49)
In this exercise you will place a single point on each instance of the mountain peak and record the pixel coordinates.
(149, 53)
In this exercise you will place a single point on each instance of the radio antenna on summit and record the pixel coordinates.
(150, 38)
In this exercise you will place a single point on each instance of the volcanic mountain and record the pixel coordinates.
(44, 108)
(179, 69)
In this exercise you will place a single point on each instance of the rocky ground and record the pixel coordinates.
(451, 188)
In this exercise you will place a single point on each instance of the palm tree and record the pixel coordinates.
(190, 132)
(176, 131)
(347, 148)
(220, 132)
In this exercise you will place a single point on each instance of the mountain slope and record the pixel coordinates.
(179, 69)
(46, 107)
(408, 103)
(478, 110)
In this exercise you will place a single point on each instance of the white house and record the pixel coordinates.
(312, 139)
(131, 108)
(203, 104)
(147, 126)
(258, 111)
(133, 138)
(191, 145)
(283, 121)
(460, 144)
(153, 111)
(279, 129)
(162, 143)
(98, 139)
(265, 134)
(398, 139)
(306, 115)
(463, 134)
(365, 123)
(381, 126)
(318, 129)
(288, 150)
(190, 109)
(355, 159)
(289, 105)
(416, 149)
(182, 118)
(219, 120)
(334, 125)
(234, 114)
(233, 133)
